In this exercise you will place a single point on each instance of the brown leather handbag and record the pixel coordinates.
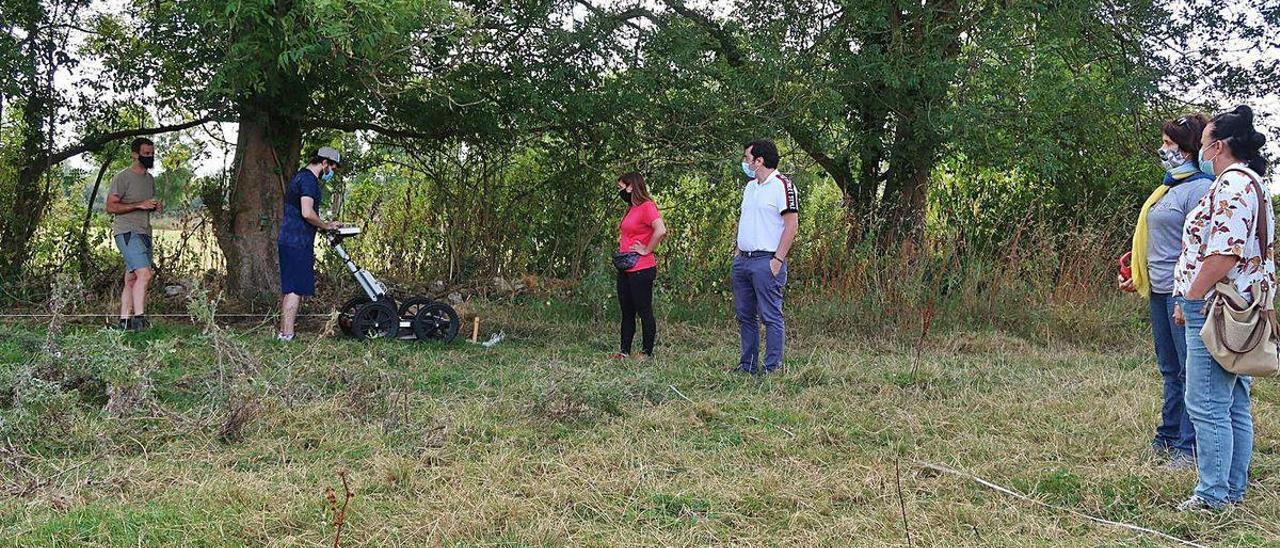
(1241, 335)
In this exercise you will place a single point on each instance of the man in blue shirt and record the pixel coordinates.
(296, 243)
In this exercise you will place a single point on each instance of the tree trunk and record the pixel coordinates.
(28, 208)
(913, 155)
(28, 198)
(909, 208)
(246, 225)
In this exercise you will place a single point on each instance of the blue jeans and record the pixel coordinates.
(1175, 433)
(757, 297)
(1218, 402)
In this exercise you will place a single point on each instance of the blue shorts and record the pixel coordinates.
(136, 250)
(297, 270)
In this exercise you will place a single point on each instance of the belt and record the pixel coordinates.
(754, 254)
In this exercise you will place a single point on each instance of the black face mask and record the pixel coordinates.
(625, 195)
(147, 161)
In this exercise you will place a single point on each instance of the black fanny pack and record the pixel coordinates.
(625, 261)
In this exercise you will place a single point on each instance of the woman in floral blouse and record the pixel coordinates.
(1218, 244)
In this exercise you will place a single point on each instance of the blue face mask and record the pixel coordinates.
(746, 168)
(327, 176)
(1206, 165)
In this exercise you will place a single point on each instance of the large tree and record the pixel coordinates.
(876, 93)
(277, 68)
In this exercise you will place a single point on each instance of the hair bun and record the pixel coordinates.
(1257, 140)
(1245, 113)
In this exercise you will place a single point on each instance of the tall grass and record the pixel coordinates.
(992, 256)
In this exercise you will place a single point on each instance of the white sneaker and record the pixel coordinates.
(1197, 504)
(284, 338)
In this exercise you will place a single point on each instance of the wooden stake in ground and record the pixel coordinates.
(475, 329)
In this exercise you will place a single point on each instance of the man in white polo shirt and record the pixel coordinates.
(766, 229)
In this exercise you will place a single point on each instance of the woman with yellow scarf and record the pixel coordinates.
(1157, 242)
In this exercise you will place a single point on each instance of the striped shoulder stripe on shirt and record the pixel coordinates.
(789, 194)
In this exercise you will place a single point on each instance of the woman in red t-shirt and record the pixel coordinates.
(640, 231)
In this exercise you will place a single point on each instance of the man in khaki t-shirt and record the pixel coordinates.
(131, 199)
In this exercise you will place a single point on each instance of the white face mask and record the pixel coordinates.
(1172, 158)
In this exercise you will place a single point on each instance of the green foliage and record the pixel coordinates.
(300, 59)
(599, 287)
(180, 157)
(90, 371)
(483, 137)
(33, 403)
(56, 246)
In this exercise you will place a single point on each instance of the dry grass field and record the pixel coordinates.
(182, 436)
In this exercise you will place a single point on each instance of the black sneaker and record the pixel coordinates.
(1160, 451)
(122, 325)
(138, 323)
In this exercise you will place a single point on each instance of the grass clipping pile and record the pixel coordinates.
(79, 378)
(74, 372)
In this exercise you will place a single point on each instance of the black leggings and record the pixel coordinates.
(635, 296)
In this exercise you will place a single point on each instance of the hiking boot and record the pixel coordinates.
(138, 323)
(618, 356)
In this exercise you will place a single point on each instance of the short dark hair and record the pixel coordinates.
(1185, 132)
(136, 146)
(765, 149)
(316, 159)
(1235, 128)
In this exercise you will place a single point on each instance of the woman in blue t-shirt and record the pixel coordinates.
(296, 243)
(1157, 242)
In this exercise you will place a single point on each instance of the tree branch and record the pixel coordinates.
(728, 47)
(380, 129)
(621, 18)
(94, 143)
